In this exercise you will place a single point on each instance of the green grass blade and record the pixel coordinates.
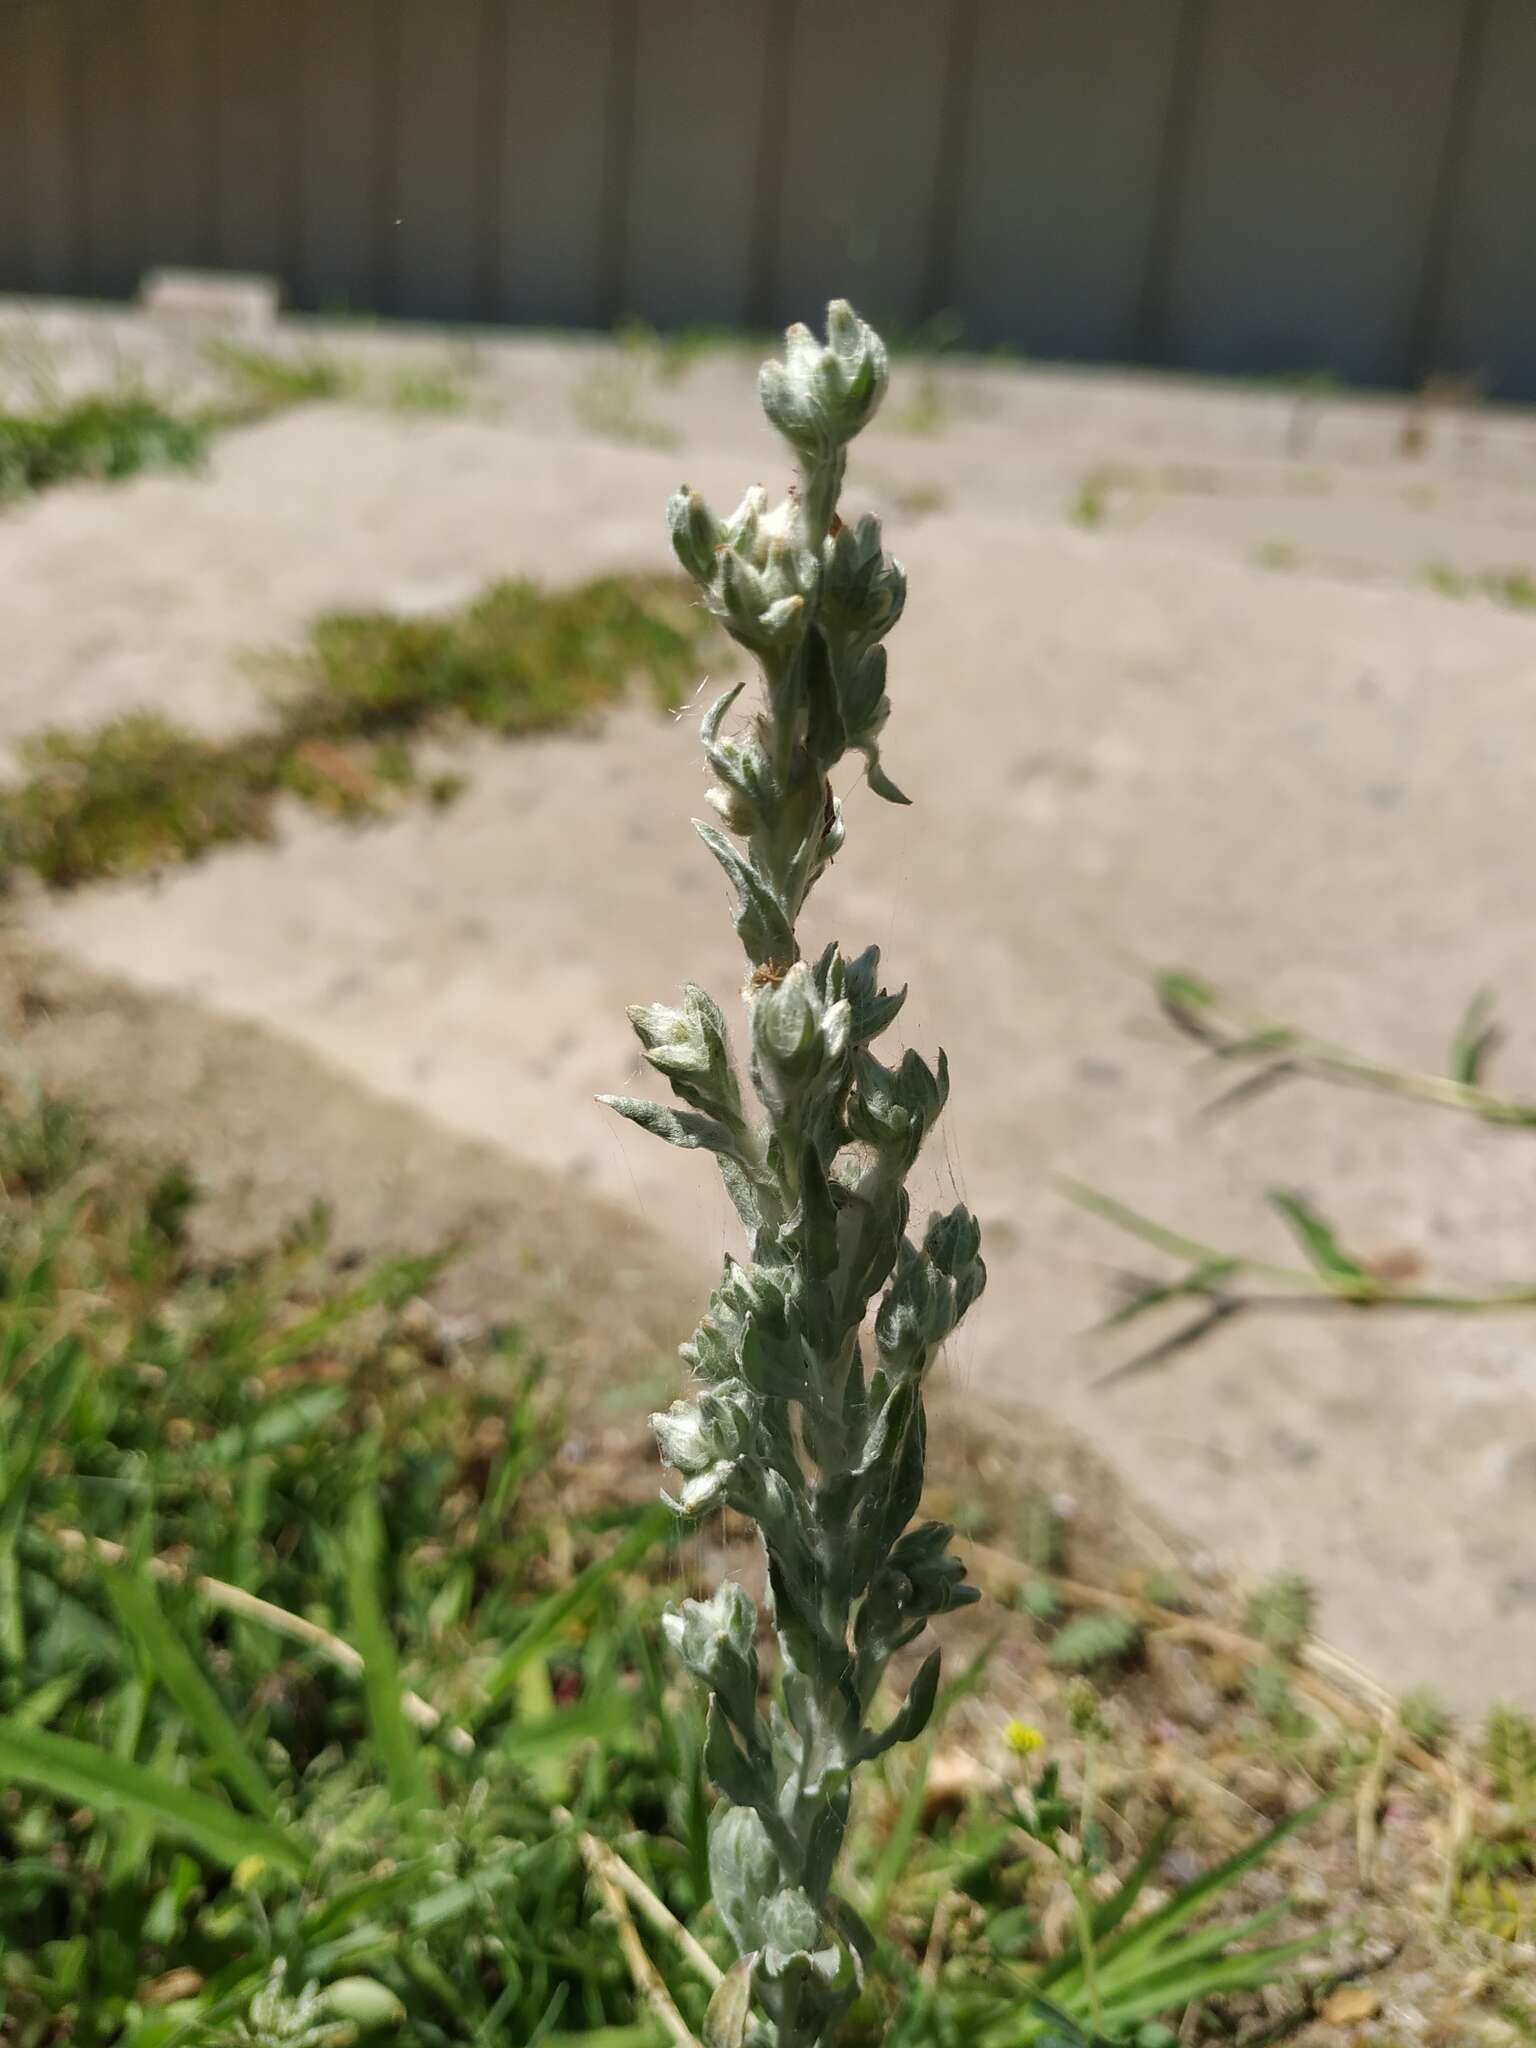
(439, 1908)
(542, 2030)
(562, 1608)
(369, 1895)
(1315, 1235)
(86, 1776)
(893, 1858)
(1189, 1950)
(1151, 1932)
(45, 1703)
(597, 1719)
(133, 1596)
(49, 1401)
(1172, 1990)
(393, 1734)
(1112, 1911)
(1064, 2030)
(289, 1422)
(390, 1285)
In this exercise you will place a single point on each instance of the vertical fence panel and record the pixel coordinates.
(1487, 323)
(555, 110)
(113, 82)
(181, 132)
(51, 149)
(698, 108)
(861, 158)
(1311, 175)
(339, 139)
(15, 240)
(560, 161)
(1059, 172)
(436, 182)
(260, 199)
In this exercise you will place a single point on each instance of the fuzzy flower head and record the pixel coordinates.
(820, 396)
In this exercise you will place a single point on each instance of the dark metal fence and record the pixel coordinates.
(1261, 186)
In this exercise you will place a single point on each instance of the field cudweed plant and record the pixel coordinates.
(792, 1424)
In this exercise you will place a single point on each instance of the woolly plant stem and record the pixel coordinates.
(799, 1420)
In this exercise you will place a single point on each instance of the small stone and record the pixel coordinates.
(1354, 2003)
(1098, 1073)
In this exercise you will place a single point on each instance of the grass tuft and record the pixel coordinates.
(314, 1642)
(1515, 589)
(102, 439)
(1094, 1642)
(1280, 1613)
(432, 392)
(140, 793)
(271, 380)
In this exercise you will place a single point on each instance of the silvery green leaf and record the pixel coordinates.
(791, 1927)
(797, 1616)
(702, 1493)
(695, 1435)
(906, 1323)
(739, 591)
(714, 717)
(686, 1440)
(785, 1019)
(743, 1781)
(695, 533)
(826, 730)
(953, 1243)
(744, 1870)
(690, 1047)
(781, 622)
(743, 1194)
(857, 981)
(852, 1927)
(889, 1428)
(742, 525)
(817, 1233)
(911, 1718)
(730, 2009)
(774, 1367)
(863, 592)
(716, 1640)
(861, 692)
(880, 782)
(906, 1480)
(678, 1127)
(761, 925)
(703, 1631)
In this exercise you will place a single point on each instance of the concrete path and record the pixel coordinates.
(1126, 741)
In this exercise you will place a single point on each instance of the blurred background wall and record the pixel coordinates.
(1304, 187)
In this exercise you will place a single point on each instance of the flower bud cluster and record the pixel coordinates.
(716, 1639)
(799, 1042)
(932, 1290)
(819, 397)
(690, 1047)
(918, 1580)
(705, 1441)
(756, 578)
(894, 1108)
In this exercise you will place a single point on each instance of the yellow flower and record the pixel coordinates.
(1023, 1739)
